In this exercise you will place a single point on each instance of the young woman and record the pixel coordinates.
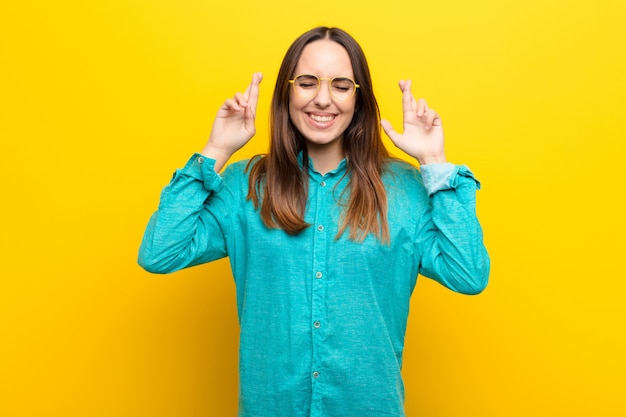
(326, 234)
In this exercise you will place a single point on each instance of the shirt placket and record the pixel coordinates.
(320, 281)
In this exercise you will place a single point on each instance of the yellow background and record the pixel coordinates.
(101, 101)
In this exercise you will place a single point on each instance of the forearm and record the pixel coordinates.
(183, 232)
(454, 252)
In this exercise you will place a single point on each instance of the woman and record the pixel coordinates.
(326, 233)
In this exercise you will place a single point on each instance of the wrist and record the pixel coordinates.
(440, 159)
(220, 155)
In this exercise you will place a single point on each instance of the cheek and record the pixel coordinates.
(349, 110)
(349, 107)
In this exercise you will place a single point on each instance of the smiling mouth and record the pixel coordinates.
(322, 119)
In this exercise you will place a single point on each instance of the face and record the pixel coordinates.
(322, 119)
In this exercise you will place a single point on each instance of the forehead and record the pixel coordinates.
(325, 58)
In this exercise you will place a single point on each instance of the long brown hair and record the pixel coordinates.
(278, 181)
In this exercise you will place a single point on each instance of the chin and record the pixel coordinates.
(320, 140)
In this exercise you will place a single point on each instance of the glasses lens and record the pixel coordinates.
(342, 88)
(306, 85)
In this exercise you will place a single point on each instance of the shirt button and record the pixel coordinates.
(318, 275)
(320, 227)
(200, 159)
(316, 324)
(323, 183)
(316, 374)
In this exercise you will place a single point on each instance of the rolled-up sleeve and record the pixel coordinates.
(449, 237)
(191, 224)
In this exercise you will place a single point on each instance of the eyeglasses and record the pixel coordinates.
(307, 86)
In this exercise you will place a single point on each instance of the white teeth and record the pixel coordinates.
(321, 119)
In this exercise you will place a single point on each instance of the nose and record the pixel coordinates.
(323, 98)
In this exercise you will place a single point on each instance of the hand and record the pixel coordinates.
(423, 133)
(234, 124)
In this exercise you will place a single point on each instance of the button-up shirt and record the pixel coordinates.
(322, 319)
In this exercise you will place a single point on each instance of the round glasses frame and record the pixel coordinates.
(309, 93)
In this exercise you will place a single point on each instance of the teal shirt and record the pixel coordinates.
(322, 320)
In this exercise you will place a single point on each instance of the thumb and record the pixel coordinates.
(389, 131)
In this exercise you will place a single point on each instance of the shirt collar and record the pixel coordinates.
(340, 170)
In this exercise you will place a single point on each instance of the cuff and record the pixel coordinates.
(445, 176)
(203, 169)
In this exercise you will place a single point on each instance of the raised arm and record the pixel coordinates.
(196, 208)
(449, 237)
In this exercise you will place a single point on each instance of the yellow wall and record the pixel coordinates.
(101, 101)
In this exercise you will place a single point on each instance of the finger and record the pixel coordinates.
(413, 102)
(231, 104)
(422, 107)
(241, 100)
(252, 96)
(407, 97)
(431, 115)
(252, 93)
(253, 88)
(427, 119)
(437, 121)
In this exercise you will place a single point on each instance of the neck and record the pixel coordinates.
(325, 157)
